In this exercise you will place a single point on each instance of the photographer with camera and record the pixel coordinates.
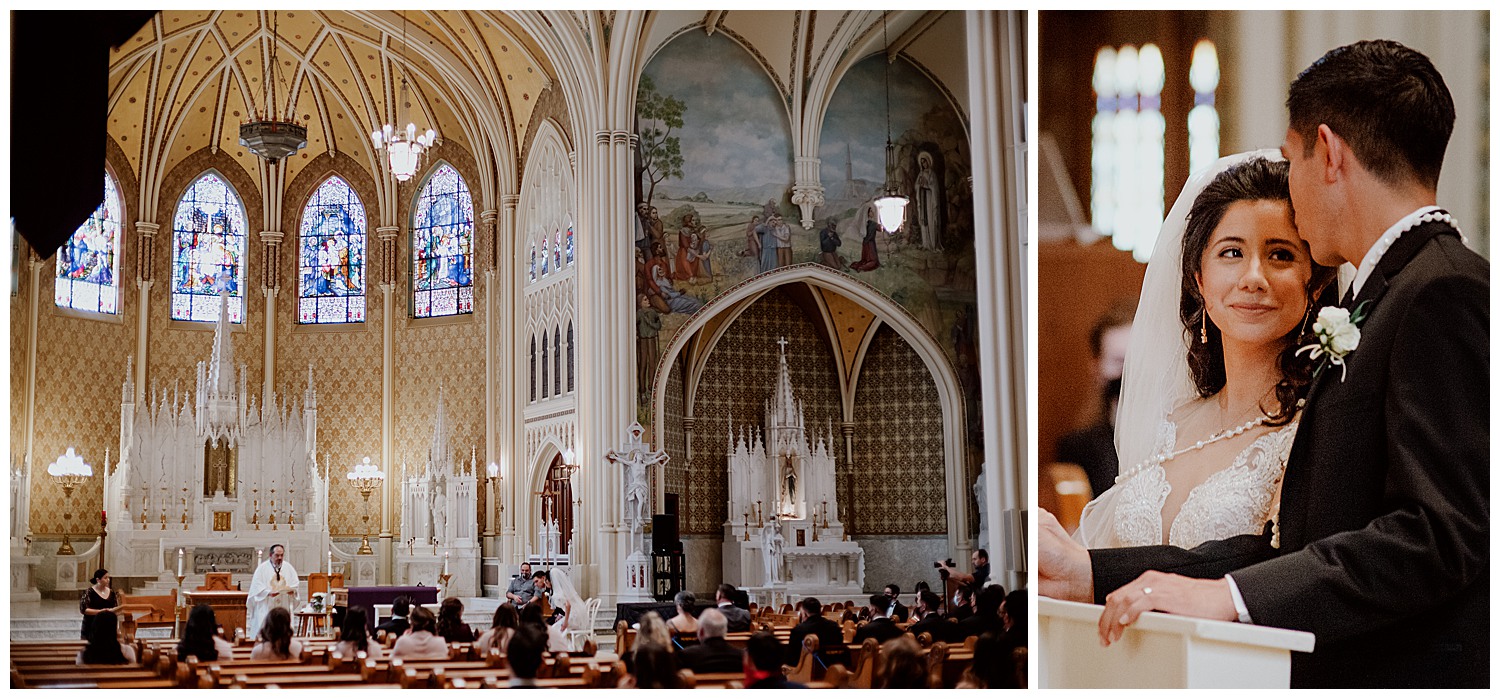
(976, 580)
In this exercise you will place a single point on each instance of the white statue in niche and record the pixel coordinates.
(789, 485)
(772, 543)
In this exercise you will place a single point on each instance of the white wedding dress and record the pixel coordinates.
(1233, 501)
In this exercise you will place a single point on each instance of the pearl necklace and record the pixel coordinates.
(1165, 456)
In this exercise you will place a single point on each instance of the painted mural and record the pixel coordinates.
(714, 177)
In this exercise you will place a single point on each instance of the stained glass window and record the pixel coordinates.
(557, 252)
(331, 260)
(557, 361)
(532, 265)
(570, 242)
(1129, 151)
(1203, 120)
(442, 267)
(545, 363)
(546, 255)
(570, 355)
(88, 265)
(532, 373)
(208, 251)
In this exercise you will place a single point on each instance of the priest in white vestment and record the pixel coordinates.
(274, 585)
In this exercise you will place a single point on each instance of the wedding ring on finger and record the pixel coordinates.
(1145, 590)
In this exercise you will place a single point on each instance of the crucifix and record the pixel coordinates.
(783, 344)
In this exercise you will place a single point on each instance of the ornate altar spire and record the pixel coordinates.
(221, 362)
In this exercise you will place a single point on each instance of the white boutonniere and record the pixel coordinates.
(1336, 334)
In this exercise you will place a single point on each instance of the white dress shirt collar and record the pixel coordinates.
(1378, 250)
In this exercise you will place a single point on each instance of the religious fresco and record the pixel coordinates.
(715, 161)
(713, 193)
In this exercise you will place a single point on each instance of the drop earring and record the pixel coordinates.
(1203, 331)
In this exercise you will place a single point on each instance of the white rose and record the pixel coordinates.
(1344, 339)
(1331, 317)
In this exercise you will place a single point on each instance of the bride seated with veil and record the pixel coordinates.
(1213, 380)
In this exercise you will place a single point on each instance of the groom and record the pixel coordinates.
(1384, 516)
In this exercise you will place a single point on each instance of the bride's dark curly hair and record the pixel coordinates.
(1253, 180)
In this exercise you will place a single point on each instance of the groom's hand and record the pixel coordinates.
(1164, 592)
(1064, 570)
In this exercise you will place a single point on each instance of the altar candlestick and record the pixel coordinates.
(179, 562)
(330, 561)
(445, 563)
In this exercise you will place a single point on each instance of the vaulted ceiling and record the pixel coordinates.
(187, 80)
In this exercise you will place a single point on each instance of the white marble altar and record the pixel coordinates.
(783, 531)
(213, 469)
(438, 519)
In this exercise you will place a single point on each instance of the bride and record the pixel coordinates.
(1213, 383)
(573, 617)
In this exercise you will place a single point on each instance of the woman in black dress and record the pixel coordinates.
(96, 599)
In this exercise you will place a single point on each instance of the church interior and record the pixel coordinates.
(423, 296)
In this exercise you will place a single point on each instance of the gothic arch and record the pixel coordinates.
(729, 305)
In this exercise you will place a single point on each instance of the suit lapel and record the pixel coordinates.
(1295, 492)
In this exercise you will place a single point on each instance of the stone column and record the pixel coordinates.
(386, 235)
(996, 78)
(145, 256)
(807, 193)
(270, 277)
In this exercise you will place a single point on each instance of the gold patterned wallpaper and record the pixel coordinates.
(898, 478)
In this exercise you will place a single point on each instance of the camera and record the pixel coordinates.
(948, 563)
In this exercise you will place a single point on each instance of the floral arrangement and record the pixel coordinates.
(317, 602)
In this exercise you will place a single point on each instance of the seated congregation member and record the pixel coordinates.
(655, 668)
(684, 623)
(994, 666)
(398, 623)
(524, 654)
(986, 616)
(201, 639)
(450, 624)
(521, 588)
(651, 631)
(276, 642)
(104, 646)
(763, 654)
(896, 611)
(421, 643)
(963, 603)
(354, 637)
(1013, 618)
(502, 627)
(942, 628)
(712, 653)
(916, 598)
(879, 627)
(810, 620)
(739, 619)
(900, 665)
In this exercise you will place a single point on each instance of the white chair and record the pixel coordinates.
(591, 614)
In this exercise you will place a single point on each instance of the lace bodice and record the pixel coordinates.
(1233, 501)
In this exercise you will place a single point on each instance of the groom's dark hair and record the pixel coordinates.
(1387, 101)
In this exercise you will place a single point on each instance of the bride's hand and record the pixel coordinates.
(1064, 570)
(1166, 592)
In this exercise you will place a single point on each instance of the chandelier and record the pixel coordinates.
(891, 207)
(403, 147)
(267, 136)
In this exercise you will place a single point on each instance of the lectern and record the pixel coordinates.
(1161, 650)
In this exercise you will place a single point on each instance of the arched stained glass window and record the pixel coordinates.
(1129, 152)
(557, 361)
(545, 364)
(208, 251)
(546, 256)
(88, 264)
(442, 248)
(557, 252)
(570, 355)
(532, 373)
(331, 260)
(532, 264)
(1203, 120)
(570, 242)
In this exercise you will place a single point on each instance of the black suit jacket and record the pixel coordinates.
(712, 655)
(394, 627)
(1385, 504)
(882, 629)
(827, 630)
(942, 628)
(739, 619)
(899, 614)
